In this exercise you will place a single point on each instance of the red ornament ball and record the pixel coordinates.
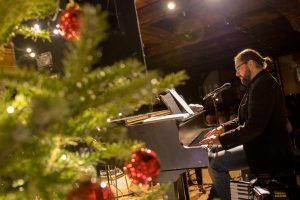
(69, 22)
(90, 191)
(143, 166)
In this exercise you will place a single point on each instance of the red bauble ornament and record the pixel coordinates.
(68, 22)
(143, 166)
(91, 191)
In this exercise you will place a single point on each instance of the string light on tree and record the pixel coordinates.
(56, 31)
(10, 109)
(37, 28)
(28, 50)
(63, 157)
(103, 184)
(32, 55)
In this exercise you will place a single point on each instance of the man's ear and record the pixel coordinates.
(251, 64)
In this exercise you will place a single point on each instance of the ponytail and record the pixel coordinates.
(267, 62)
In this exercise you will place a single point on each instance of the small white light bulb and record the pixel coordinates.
(103, 185)
(28, 50)
(10, 109)
(32, 54)
(56, 31)
(37, 28)
(63, 157)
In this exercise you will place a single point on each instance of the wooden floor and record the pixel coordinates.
(202, 194)
(195, 193)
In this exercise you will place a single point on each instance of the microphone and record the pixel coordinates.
(216, 91)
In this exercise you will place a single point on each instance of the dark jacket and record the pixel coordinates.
(261, 127)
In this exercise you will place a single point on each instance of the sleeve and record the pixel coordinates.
(230, 124)
(260, 105)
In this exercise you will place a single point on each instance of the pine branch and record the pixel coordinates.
(29, 32)
(14, 12)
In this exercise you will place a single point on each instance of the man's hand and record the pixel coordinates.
(216, 131)
(196, 107)
(212, 140)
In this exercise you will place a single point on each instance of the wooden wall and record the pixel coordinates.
(288, 71)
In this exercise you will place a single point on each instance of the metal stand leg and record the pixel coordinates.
(183, 189)
(199, 179)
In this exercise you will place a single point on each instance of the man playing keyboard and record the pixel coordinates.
(257, 138)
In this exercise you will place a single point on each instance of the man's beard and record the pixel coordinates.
(247, 77)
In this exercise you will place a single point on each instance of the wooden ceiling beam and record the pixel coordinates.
(158, 33)
(139, 4)
(151, 13)
(209, 55)
(269, 39)
(210, 58)
(290, 9)
(212, 32)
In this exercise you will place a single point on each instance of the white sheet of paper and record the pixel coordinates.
(181, 102)
(166, 117)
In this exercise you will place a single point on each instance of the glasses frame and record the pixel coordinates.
(237, 68)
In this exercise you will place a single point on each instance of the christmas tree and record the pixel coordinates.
(44, 119)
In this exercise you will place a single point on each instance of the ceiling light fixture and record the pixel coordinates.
(171, 5)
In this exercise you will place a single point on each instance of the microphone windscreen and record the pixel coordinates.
(226, 85)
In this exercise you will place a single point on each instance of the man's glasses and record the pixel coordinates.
(237, 68)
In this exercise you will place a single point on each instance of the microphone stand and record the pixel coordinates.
(213, 97)
(216, 108)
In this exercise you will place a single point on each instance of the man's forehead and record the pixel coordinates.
(237, 60)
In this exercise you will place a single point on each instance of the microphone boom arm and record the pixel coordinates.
(215, 92)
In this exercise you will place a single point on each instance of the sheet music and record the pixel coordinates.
(204, 146)
(181, 102)
(166, 117)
